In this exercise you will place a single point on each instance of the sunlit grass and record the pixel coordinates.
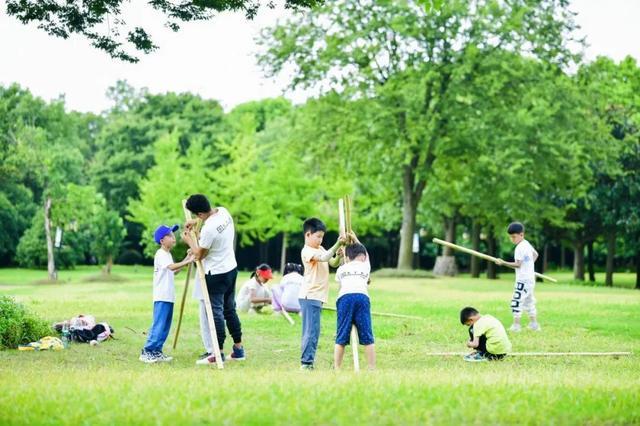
(108, 385)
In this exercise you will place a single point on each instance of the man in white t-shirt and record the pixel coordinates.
(163, 294)
(523, 298)
(215, 250)
(353, 305)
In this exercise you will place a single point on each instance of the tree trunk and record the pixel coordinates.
(475, 244)
(51, 263)
(492, 272)
(590, 266)
(611, 252)
(108, 265)
(563, 257)
(450, 227)
(283, 253)
(446, 264)
(545, 258)
(409, 207)
(578, 261)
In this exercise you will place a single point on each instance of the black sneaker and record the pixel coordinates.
(205, 355)
(237, 354)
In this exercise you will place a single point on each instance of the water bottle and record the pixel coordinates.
(65, 334)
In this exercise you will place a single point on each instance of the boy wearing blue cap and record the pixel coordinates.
(163, 294)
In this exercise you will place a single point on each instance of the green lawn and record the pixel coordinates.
(108, 385)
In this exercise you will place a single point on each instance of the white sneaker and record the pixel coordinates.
(160, 357)
(535, 326)
(148, 357)
(516, 328)
(210, 360)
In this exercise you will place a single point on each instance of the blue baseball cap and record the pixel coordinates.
(162, 231)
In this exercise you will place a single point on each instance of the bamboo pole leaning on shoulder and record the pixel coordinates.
(205, 295)
(484, 256)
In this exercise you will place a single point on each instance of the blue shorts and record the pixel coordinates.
(354, 308)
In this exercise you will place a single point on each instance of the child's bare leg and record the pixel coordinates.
(370, 352)
(338, 356)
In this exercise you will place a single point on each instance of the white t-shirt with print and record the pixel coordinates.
(217, 236)
(524, 253)
(353, 277)
(163, 286)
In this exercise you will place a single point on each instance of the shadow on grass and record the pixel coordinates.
(104, 278)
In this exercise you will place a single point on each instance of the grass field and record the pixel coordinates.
(108, 385)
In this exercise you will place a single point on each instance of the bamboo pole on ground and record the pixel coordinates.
(205, 295)
(382, 314)
(526, 354)
(483, 256)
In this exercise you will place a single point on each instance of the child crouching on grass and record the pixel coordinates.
(353, 305)
(486, 335)
(163, 294)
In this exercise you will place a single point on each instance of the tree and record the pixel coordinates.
(173, 177)
(368, 49)
(613, 90)
(104, 23)
(108, 231)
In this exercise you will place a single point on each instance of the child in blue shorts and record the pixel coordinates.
(353, 303)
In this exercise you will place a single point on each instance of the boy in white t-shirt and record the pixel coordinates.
(163, 294)
(523, 298)
(353, 305)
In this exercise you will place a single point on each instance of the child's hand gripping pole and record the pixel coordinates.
(205, 294)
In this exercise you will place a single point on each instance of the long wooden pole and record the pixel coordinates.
(382, 314)
(184, 298)
(483, 256)
(344, 221)
(205, 295)
(538, 353)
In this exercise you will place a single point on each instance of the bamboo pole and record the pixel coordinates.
(483, 256)
(205, 295)
(344, 225)
(382, 314)
(532, 354)
(184, 298)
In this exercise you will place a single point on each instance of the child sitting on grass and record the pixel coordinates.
(353, 305)
(163, 294)
(285, 295)
(486, 335)
(254, 294)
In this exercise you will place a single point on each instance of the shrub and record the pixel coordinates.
(18, 326)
